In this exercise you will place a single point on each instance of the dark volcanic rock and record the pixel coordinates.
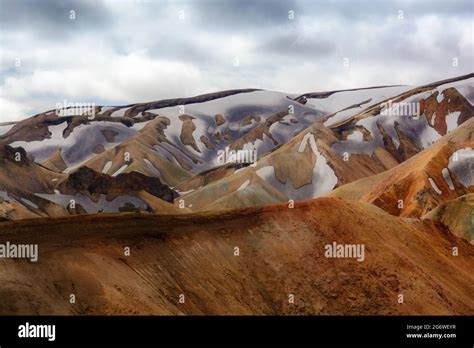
(13, 154)
(87, 180)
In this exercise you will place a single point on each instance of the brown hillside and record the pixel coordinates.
(281, 253)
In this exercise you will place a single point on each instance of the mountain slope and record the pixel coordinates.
(27, 185)
(440, 173)
(326, 156)
(281, 252)
(306, 145)
(458, 215)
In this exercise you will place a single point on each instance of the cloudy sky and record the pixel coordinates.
(114, 52)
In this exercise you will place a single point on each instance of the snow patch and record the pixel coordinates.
(122, 168)
(4, 195)
(5, 129)
(154, 170)
(356, 136)
(452, 120)
(244, 185)
(461, 165)
(119, 112)
(325, 174)
(434, 186)
(74, 149)
(140, 125)
(308, 138)
(464, 87)
(338, 101)
(447, 178)
(30, 203)
(107, 167)
(428, 136)
(91, 206)
(440, 96)
(416, 128)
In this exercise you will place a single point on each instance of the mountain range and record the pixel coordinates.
(388, 166)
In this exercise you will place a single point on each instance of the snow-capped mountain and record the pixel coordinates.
(167, 156)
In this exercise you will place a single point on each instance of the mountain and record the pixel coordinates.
(306, 145)
(186, 182)
(458, 215)
(330, 154)
(440, 173)
(281, 252)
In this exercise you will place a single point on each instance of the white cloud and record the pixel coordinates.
(13, 111)
(134, 77)
(145, 53)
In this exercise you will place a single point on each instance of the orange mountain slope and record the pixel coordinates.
(281, 252)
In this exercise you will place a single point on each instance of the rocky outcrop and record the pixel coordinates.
(91, 183)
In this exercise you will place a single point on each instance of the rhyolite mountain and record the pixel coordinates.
(163, 157)
(389, 167)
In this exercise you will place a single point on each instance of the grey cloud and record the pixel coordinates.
(51, 19)
(182, 51)
(292, 56)
(246, 15)
(397, 45)
(355, 10)
(295, 44)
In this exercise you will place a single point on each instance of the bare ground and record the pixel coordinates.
(281, 253)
